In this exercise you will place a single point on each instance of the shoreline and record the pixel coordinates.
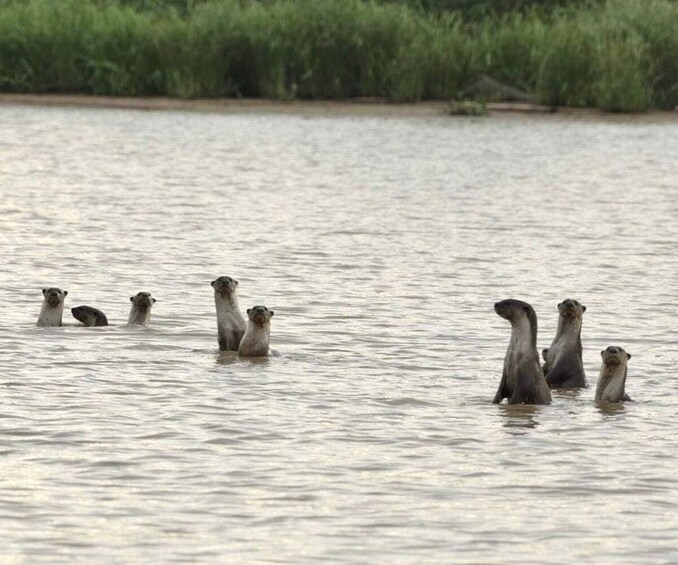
(318, 108)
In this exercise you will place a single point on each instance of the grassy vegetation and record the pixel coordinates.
(620, 55)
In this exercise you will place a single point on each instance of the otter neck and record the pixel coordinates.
(523, 335)
(228, 311)
(611, 383)
(51, 315)
(227, 301)
(569, 326)
(140, 316)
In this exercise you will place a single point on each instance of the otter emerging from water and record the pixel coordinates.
(612, 379)
(563, 365)
(522, 381)
(140, 314)
(52, 310)
(230, 323)
(258, 334)
(89, 316)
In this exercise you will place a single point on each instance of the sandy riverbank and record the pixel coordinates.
(366, 107)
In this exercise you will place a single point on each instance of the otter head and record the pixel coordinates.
(260, 314)
(142, 301)
(571, 309)
(54, 296)
(614, 356)
(224, 285)
(512, 310)
(84, 315)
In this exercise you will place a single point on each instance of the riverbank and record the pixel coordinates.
(355, 107)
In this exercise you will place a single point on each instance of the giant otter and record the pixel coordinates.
(522, 381)
(563, 365)
(612, 379)
(258, 334)
(230, 323)
(52, 310)
(140, 314)
(89, 316)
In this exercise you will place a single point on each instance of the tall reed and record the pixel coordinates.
(617, 54)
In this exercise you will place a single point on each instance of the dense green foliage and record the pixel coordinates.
(616, 55)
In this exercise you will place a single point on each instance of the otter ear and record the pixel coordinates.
(65, 293)
(628, 356)
(154, 300)
(602, 352)
(131, 298)
(236, 282)
(213, 283)
(249, 310)
(560, 304)
(272, 312)
(584, 307)
(44, 291)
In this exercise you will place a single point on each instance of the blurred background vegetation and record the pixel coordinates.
(619, 55)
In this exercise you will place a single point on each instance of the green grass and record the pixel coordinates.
(619, 55)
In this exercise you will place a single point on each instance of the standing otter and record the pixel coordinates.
(522, 381)
(141, 309)
(255, 341)
(230, 323)
(52, 309)
(612, 379)
(563, 365)
(89, 316)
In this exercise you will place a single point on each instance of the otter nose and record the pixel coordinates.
(612, 350)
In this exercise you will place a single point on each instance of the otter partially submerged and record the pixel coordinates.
(522, 381)
(563, 365)
(258, 334)
(612, 380)
(230, 323)
(51, 313)
(89, 316)
(140, 314)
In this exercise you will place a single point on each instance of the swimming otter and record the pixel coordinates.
(612, 379)
(52, 309)
(141, 309)
(230, 323)
(89, 316)
(255, 341)
(563, 365)
(522, 381)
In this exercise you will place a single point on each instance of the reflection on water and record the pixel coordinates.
(382, 244)
(520, 416)
(611, 408)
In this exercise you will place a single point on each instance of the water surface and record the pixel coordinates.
(381, 243)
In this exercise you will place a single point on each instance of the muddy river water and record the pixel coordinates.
(382, 243)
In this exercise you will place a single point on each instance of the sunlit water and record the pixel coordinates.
(382, 244)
